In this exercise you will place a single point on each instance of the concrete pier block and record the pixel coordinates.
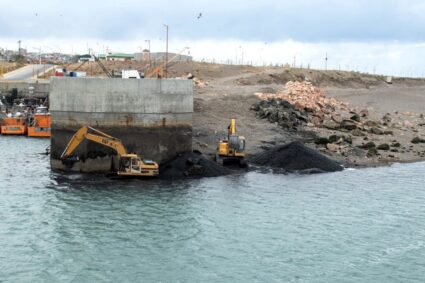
(152, 117)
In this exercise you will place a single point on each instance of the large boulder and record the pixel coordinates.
(348, 125)
(418, 140)
(368, 145)
(376, 131)
(355, 117)
(321, 141)
(383, 146)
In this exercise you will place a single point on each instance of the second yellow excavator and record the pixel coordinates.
(130, 165)
(232, 148)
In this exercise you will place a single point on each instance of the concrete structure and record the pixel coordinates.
(21, 89)
(152, 117)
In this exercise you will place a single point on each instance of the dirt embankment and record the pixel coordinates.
(175, 69)
(338, 79)
(250, 75)
(6, 67)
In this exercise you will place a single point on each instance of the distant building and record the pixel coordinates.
(160, 57)
(101, 56)
(86, 57)
(144, 56)
(119, 57)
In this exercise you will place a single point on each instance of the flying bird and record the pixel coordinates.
(199, 16)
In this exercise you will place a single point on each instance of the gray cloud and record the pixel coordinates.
(267, 20)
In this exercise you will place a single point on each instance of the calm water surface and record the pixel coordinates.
(353, 226)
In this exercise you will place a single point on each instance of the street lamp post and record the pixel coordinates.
(39, 54)
(39, 60)
(149, 48)
(166, 52)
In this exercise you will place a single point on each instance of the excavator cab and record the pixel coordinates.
(125, 164)
(135, 165)
(132, 165)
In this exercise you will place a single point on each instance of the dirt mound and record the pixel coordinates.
(341, 79)
(191, 165)
(296, 157)
(304, 95)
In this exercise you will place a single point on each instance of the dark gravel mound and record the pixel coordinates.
(295, 156)
(191, 165)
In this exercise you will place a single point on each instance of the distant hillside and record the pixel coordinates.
(249, 75)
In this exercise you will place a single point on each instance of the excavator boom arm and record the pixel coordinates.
(76, 139)
(109, 142)
(99, 137)
(232, 127)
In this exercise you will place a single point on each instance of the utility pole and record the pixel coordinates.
(326, 62)
(149, 54)
(19, 47)
(39, 54)
(166, 52)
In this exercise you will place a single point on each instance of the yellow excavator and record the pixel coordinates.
(130, 165)
(232, 148)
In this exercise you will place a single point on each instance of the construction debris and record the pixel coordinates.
(302, 103)
(304, 96)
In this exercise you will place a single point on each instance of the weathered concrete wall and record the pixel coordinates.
(30, 88)
(152, 117)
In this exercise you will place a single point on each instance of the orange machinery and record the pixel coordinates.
(14, 126)
(40, 124)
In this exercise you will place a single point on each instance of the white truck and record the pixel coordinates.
(131, 74)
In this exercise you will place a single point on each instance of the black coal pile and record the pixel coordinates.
(296, 157)
(191, 165)
(280, 111)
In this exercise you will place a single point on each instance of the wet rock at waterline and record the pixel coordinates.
(191, 165)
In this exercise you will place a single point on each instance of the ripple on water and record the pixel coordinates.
(355, 225)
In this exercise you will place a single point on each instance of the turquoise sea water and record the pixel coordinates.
(353, 226)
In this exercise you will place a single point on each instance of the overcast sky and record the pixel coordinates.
(381, 35)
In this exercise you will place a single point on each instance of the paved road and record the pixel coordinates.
(25, 73)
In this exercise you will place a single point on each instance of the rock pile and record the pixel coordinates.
(301, 103)
(199, 82)
(296, 157)
(277, 110)
(340, 129)
(304, 96)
